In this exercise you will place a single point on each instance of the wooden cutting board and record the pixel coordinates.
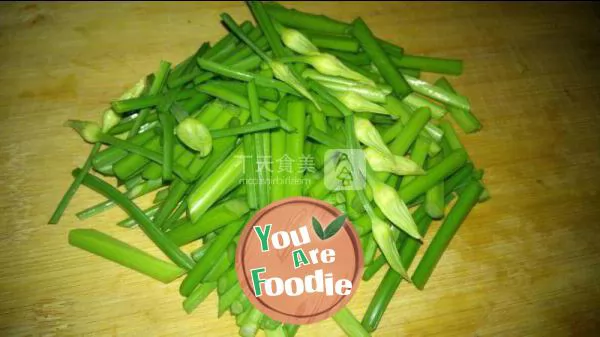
(525, 263)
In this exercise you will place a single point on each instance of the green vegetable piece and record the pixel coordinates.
(457, 215)
(201, 269)
(381, 60)
(120, 252)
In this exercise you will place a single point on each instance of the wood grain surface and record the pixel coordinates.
(524, 263)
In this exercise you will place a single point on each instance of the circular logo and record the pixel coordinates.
(299, 260)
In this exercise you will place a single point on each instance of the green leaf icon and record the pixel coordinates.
(335, 226)
(331, 229)
(318, 228)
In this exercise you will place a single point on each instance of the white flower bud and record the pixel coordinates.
(297, 42)
(89, 131)
(367, 134)
(386, 162)
(357, 103)
(329, 65)
(383, 236)
(390, 204)
(195, 135)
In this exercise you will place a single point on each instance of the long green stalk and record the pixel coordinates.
(439, 172)
(429, 64)
(207, 192)
(349, 324)
(296, 117)
(198, 296)
(155, 234)
(64, 201)
(464, 118)
(434, 197)
(440, 242)
(390, 282)
(363, 34)
(200, 269)
(215, 218)
(120, 252)
(259, 140)
(278, 145)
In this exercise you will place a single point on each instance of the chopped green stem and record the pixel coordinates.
(428, 64)
(357, 59)
(439, 172)
(463, 206)
(370, 250)
(250, 172)
(161, 241)
(199, 253)
(227, 299)
(218, 247)
(450, 136)
(402, 143)
(295, 146)
(459, 179)
(239, 100)
(111, 155)
(244, 51)
(416, 101)
(230, 72)
(215, 218)
(341, 43)
(278, 331)
(318, 119)
(235, 29)
(130, 222)
(381, 60)
(392, 132)
(416, 73)
(220, 267)
(278, 145)
(349, 324)
(324, 138)
(251, 323)
(226, 281)
(269, 325)
(160, 78)
(241, 304)
(95, 210)
(390, 282)
(211, 189)
(140, 189)
(151, 121)
(418, 155)
(137, 103)
(259, 148)
(120, 252)
(241, 88)
(302, 20)
(186, 66)
(167, 123)
(434, 197)
(265, 24)
(181, 172)
(245, 129)
(64, 202)
(291, 329)
(464, 118)
(198, 296)
(374, 267)
(438, 94)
